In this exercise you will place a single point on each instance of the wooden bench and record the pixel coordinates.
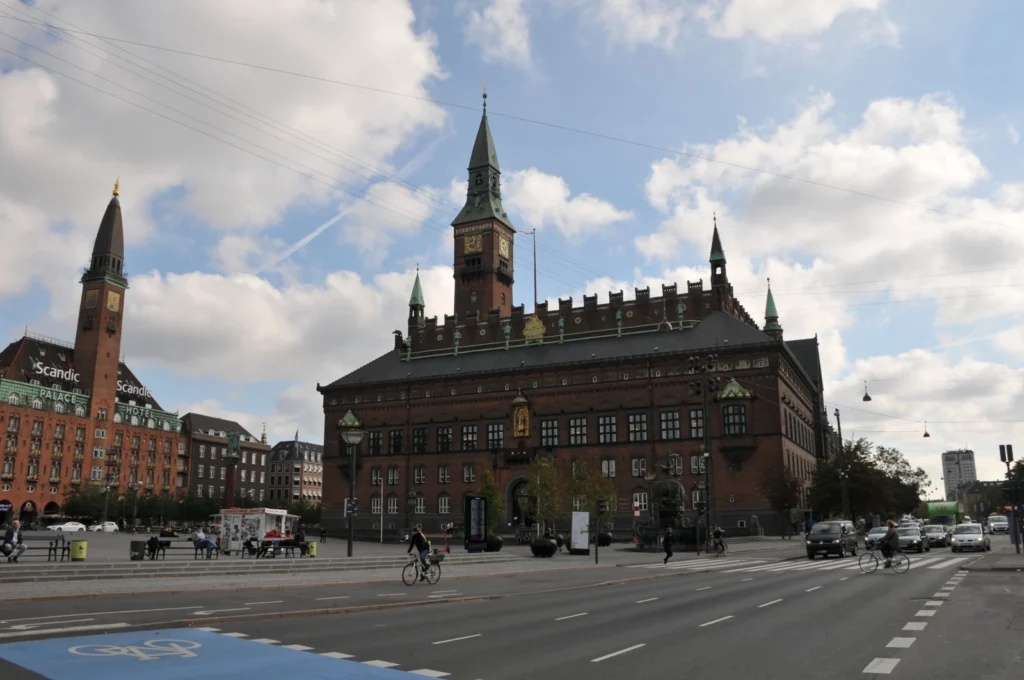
(58, 548)
(266, 549)
(179, 543)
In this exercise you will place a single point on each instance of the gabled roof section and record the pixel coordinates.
(717, 329)
(294, 450)
(199, 423)
(734, 390)
(806, 353)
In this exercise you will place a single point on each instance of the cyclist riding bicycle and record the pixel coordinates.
(419, 541)
(889, 543)
(718, 535)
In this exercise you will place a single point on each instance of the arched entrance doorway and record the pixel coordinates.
(520, 515)
(6, 512)
(52, 509)
(29, 512)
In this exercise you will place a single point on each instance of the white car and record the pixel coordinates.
(67, 526)
(105, 527)
(970, 537)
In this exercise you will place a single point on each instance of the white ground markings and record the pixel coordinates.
(379, 663)
(886, 665)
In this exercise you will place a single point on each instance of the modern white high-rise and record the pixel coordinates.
(958, 471)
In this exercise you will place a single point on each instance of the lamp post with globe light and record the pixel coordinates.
(352, 433)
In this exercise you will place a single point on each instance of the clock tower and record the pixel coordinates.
(101, 312)
(484, 236)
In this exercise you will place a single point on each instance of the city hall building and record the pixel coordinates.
(492, 387)
(73, 414)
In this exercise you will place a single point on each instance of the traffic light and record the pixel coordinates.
(602, 506)
(1006, 453)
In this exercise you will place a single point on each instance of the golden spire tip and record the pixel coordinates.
(117, 187)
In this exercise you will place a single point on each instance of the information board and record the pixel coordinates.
(579, 539)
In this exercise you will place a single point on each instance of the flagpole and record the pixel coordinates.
(534, 235)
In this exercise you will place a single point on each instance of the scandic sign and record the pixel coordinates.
(71, 375)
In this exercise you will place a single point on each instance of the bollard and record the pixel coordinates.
(79, 550)
(312, 548)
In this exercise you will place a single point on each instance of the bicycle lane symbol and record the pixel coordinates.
(150, 650)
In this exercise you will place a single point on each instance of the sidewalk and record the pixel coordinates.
(1004, 559)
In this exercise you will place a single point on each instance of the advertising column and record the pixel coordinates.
(579, 539)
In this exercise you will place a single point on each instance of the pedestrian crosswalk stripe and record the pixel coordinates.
(835, 566)
(742, 565)
(949, 563)
(920, 563)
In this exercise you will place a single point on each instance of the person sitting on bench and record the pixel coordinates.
(14, 542)
(201, 541)
(152, 546)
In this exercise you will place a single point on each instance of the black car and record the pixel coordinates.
(911, 538)
(832, 538)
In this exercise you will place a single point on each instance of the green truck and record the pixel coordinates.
(946, 513)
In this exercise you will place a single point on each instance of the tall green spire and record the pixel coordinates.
(416, 300)
(771, 315)
(717, 252)
(483, 194)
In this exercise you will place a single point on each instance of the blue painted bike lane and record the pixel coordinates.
(179, 653)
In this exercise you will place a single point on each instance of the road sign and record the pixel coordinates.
(351, 507)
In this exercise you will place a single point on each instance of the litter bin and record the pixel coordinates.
(137, 551)
(312, 548)
(78, 550)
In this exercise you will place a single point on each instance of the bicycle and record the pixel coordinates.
(899, 562)
(721, 548)
(414, 569)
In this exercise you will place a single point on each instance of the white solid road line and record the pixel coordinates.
(845, 578)
(650, 599)
(207, 612)
(916, 625)
(390, 594)
(298, 648)
(337, 655)
(253, 604)
(571, 616)
(901, 642)
(380, 664)
(621, 651)
(466, 637)
(125, 611)
(769, 604)
(747, 579)
(429, 673)
(68, 629)
(881, 666)
(711, 623)
(236, 635)
(266, 641)
(704, 588)
(30, 626)
(336, 597)
(208, 629)
(811, 590)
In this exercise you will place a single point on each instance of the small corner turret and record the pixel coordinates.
(772, 327)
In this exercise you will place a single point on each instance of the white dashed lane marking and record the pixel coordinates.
(916, 625)
(881, 666)
(621, 651)
(901, 642)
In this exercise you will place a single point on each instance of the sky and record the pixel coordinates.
(285, 166)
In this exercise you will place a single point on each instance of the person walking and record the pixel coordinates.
(668, 545)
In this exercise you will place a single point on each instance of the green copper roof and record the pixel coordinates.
(771, 315)
(483, 192)
(733, 390)
(349, 421)
(520, 400)
(717, 252)
(484, 152)
(416, 300)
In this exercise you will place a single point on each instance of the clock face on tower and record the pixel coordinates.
(113, 301)
(503, 247)
(473, 243)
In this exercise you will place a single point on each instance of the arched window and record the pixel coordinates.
(58, 407)
(80, 411)
(117, 417)
(13, 400)
(37, 403)
(151, 423)
(135, 420)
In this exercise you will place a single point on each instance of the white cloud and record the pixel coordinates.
(501, 31)
(544, 200)
(1013, 134)
(64, 143)
(391, 210)
(641, 22)
(777, 20)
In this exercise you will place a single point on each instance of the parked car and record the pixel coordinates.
(936, 535)
(970, 537)
(911, 538)
(832, 538)
(67, 526)
(105, 527)
(873, 536)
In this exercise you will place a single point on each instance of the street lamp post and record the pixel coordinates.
(844, 477)
(108, 482)
(704, 366)
(352, 434)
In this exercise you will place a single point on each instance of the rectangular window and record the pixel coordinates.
(697, 465)
(101, 414)
(419, 440)
(640, 500)
(200, 470)
(444, 439)
(675, 465)
(421, 506)
(420, 474)
(638, 427)
(395, 442)
(375, 442)
(199, 490)
(167, 446)
(58, 431)
(392, 505)
(639, 466)
(97, 473)
(670, 425)
(495, 436)
(79, 434)
(608, 467)
(444, 504)
(734, 417)
(577, 431)
(37, 429)
(243, 475)
(263, 459)
(375, 505)
(607, 430)
(698, 498)
(202, 450)
(98, 452)
(152, 445)
(375, 476)
(393, 475)
(222, 471)
(469, 437)
(696, 423)
(468, 474)
(263, 477)
(549, 433)
(443, 475)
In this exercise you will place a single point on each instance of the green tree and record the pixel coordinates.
(546, 490)
(84, 503)
(495, 503)
(587, 486)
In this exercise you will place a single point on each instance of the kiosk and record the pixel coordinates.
(238, 525)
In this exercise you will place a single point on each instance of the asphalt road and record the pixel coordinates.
(744, 616)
